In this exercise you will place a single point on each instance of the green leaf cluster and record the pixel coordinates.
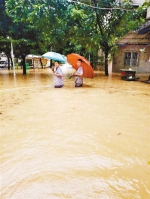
(67, 26)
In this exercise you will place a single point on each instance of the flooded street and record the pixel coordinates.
(91, 142)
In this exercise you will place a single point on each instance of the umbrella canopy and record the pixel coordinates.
(54, 56)
(87, 68)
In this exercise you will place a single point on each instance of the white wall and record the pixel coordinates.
(3, 57)
(136, 2)
(148, 13)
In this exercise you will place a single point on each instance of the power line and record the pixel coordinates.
(95, 7)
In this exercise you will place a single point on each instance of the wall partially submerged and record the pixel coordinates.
(143, 64)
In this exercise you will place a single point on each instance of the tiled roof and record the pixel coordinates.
(144, 28)
(134, 38)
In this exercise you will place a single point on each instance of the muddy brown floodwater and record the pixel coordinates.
(74, 143)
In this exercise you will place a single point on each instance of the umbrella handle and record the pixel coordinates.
(73, 74)
(52, 68)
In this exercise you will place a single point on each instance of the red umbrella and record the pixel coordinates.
(87, 68)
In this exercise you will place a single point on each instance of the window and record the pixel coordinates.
(131, 59)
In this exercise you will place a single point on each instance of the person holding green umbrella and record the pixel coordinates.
(58, 76)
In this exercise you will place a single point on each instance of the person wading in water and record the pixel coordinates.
(78, 74)
(58, 76)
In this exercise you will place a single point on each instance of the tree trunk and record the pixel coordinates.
(8, 60)
(41, 62)
(11, 63)
(24, 64)
(106, 63)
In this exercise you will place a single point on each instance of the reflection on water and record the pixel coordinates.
(89, 142)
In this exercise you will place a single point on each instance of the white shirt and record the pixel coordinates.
(58, 81)
(79, 79)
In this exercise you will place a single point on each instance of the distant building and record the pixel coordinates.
(134, 49)
(148, 14)
(133, 52)
(136, 2)
(3, 57)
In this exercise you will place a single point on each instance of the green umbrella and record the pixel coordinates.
(54, 56)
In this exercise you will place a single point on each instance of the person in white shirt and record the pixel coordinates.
(78, 74)
(58, 76)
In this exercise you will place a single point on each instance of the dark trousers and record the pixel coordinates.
(58, 86)
(78, 85)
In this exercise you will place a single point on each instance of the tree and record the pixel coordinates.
(69, 26)
(26, 37)
(4, 24)
(95, 24)
(107, 23)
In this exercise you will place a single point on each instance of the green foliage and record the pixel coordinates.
(111, 23)
(37, 25)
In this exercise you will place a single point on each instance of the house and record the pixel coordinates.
(135, 3)
(134, 50)
(35, 61)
